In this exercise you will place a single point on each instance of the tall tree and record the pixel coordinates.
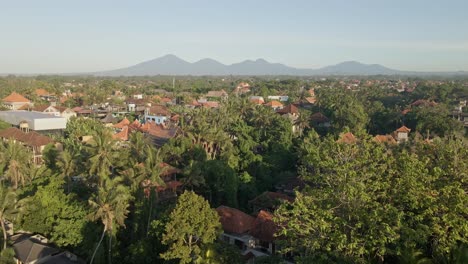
(7, 208)
(109, 206)
(192, 223)
(17, 160)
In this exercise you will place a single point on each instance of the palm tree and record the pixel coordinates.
(109, 206)
(104, 157)
(16, 160)
(67, 165)
(7, 208)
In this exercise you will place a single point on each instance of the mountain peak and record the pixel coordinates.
(172, 65)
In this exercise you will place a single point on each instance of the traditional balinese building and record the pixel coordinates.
(31, 139)
(14, 101)
(158, 114)
(401, 134)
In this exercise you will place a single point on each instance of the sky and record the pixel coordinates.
(63, 36)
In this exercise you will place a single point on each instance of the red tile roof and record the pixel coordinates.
(122, 123)
(234, 220)
(15, 98)
(403, 129)
(347, 138)
(311, 100)
(274, 104)
(158, 110)
(210, 104)
(264, 228)
(31, 138)
(290, 109)
(319, 118)
(41, 92)
(385, 139)
(122, 135)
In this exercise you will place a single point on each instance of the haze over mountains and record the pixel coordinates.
(173, 65)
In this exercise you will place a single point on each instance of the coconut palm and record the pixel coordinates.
(17, 162)
(109, 205)
(104, 156)
(7, 208)
(67, 165)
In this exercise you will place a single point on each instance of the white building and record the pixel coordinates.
(33, 120)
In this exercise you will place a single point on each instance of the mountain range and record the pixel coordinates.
(173, 65)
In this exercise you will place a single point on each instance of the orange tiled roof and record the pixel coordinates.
(122, 123)
(385, 139)
(15, 98)
(234, 220)
(403, 129)
(41, 92)
(264, 228)
(347, 138)
(210, 104)
(31, 138)
(290, 109)
(274, 103)
(311, 100)
(319, 118)
(122, 135)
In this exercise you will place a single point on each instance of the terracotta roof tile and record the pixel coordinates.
(290, 109)
(122, 123)
(234, 220)
(274, 103)
(31, 138)
(264, 228)
(122, 135)
(15, 98)
(385, 139)
(403, 129)
(347, 138)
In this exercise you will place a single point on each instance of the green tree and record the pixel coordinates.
(7, 208)
(16, 159)
(110, 206)
(192, 223)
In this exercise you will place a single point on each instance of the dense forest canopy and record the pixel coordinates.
(360, 199)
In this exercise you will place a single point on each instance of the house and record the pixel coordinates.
(236, 226)
(108, 120)
(137, 96)
(217, 94)
(157, 113)
(31, 139)
(45, 95)
(263, 230)
(46, 109)
(347, 138)
(275, 105)
(35, 249)
(34, 121)
(66, 112)
(254, 236)
(82, 112)
(281, 98)
(289, 109)
(258, 100)
(136, 105)
(320, 120)
(14, 101)
(386, 139)
(210, 104)
(242, 88)
(401, 134)
(160, 134)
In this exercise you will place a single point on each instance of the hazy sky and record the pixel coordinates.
(77, 36)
